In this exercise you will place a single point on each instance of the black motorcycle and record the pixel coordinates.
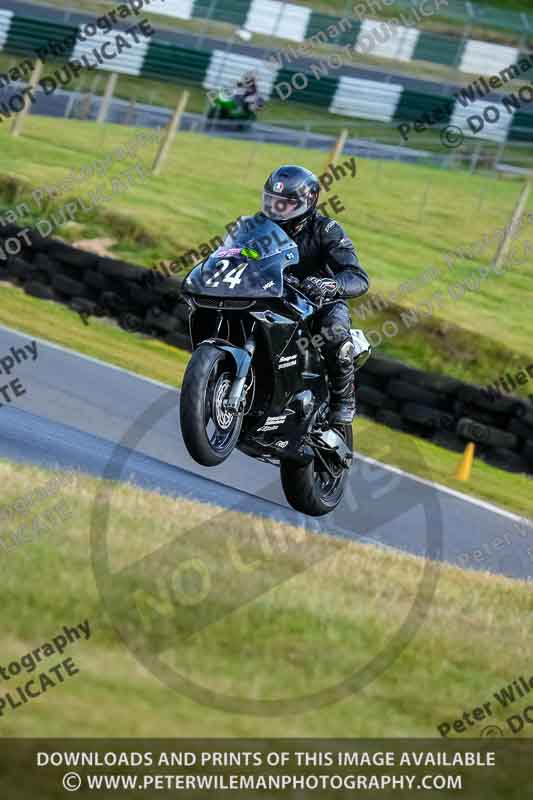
(255, 380)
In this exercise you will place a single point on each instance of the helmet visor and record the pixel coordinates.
(280, 209)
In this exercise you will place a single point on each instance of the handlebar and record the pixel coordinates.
(295, 284)
(292, 280)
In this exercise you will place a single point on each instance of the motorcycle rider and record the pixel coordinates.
(329, 270)
(246, 92)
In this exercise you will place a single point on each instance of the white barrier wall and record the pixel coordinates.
(179, 9)
(284, 20)
(225, 69)
(387, 41)
(366, 99)
(492, 131)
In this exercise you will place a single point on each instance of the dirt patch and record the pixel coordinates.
(100, 247)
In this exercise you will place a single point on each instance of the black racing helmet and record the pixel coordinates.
(290, 196)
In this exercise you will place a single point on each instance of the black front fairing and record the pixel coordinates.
(250, 263)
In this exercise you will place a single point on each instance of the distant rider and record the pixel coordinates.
(246, 92)
(330, 272)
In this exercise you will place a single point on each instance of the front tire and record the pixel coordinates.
(310, 488)
(209, 430)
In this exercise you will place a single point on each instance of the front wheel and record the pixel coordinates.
(316, 488)
(209, 430)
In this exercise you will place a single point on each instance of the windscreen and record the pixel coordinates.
(259, 236)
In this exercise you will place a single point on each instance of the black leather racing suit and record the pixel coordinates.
(326, 251)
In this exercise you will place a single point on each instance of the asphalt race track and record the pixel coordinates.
(76, 410)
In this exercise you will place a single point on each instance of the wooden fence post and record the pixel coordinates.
(106, 99)
(515, 219)
(16, 127)
(164, 147)
(337, 150)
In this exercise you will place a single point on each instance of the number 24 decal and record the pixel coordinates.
(232, 278)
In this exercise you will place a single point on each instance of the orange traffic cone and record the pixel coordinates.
(464, 467)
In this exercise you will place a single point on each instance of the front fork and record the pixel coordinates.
(233, 402)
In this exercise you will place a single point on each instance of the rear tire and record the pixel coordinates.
(209, 431)
(310, 489)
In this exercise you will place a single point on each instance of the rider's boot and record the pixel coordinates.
(341, 372)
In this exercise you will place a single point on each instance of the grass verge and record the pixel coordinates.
(306, 632)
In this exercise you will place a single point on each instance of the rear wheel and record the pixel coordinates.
(316, 488)
(209, 430)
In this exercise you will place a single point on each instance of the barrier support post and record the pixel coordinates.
(106, 99)
(16, 127)
(337, 150)
(515, 220)
(165, 144)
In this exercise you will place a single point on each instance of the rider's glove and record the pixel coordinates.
(320, 290)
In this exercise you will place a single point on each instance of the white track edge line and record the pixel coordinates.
(446, 490)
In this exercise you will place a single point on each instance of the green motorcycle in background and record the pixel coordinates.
(228, 109)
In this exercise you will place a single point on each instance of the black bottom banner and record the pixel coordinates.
(46, 769)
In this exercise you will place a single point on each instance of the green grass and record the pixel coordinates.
(438, 345)
(320, 622)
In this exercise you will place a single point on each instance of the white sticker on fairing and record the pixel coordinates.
(287, 361)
